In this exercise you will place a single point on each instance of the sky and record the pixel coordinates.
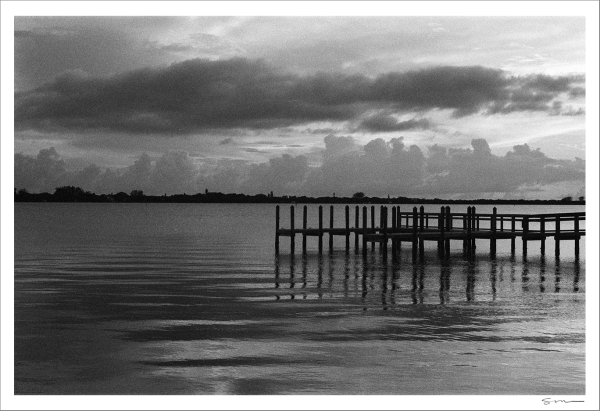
(449, 107)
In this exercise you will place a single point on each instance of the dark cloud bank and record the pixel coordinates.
(198, 95)
(377, 168)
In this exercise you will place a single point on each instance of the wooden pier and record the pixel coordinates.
(417, 226)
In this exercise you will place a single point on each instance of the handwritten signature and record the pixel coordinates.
(548, 401)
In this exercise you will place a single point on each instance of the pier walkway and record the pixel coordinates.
(417, 226)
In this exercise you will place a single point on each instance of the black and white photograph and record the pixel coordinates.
(300, 205)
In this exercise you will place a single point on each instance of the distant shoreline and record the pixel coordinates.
(77, 195)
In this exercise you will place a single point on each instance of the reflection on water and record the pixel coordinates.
(176, 299)
(395, 282)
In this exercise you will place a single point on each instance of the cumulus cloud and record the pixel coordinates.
(199, 95)
(378, 168)
(477, 170)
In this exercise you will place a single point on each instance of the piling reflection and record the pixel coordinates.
(557, 272)
(471, 281)
(525, 275)
(542, 274)
(493, 278)
(445, 282)
(375, 281)
(576, 270)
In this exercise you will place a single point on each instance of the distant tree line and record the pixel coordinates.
(76, 194)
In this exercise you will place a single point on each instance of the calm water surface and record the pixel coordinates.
(190, 299)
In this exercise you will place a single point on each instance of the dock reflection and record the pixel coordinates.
(373, 281)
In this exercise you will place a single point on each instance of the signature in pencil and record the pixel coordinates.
(548, 401)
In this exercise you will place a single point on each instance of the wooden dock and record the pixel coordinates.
(417, 226)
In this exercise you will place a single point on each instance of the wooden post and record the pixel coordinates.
(576, 235)
(475, 225)
(513, 229)
(304, 222)
(394, 227)
(320, 229)
(469, 229)
(373, 224)
(364, 234)
(421, 228)
(415, 239)
(464, 226)
(381, 224)
(385, 231)
(441, 228)
(448, 229)
(543, 233)
(293, 235)
(525, 231)
(493, 229)
(399, 222)
(356, 226)
(501, 223)
(556, 239)
(277, 230)
(331, 228)
(347, 229)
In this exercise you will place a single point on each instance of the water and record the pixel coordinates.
(190, 299)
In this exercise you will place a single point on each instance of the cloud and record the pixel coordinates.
(42, 173)
(282, 175)
(336, 146)
(378, 168)
(197, 96)
(382, 123)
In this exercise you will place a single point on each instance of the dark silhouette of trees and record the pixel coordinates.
(76, 194)
(71, 193)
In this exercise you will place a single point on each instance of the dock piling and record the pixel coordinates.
(415, 226)
(304, 223)
(331, 228)
(469, 230)
(320, 229)
(347, 229)
(364, 233)
(448, 227)
(576, 235)
(556, 237)
(394, 228)
(543, 235)
(421, 229)
(292, 235)
(493, 232)
(373, 225)
(525, 224)
(441, 228)
(356, 227)
(385, 231)
(381, 217)
(277, 230)
(513, 229)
